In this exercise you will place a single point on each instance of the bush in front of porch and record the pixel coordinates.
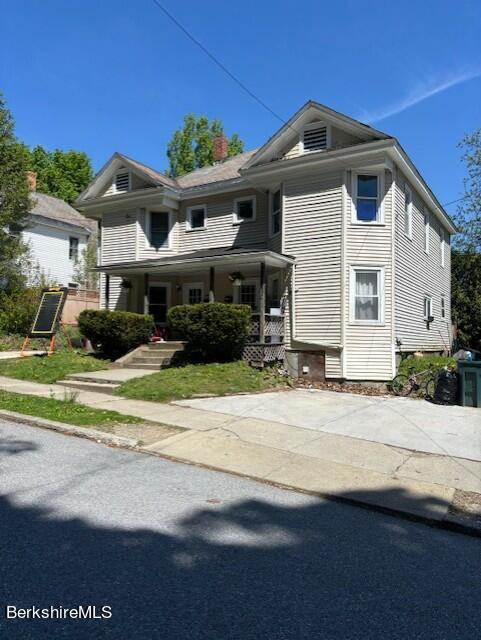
(213, 332)
(115, 333)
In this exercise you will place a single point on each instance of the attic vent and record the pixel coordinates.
(314, 137)
(122, 182)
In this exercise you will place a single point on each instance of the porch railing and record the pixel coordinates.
(258, 352)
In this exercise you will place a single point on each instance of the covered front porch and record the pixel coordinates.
(254, 277)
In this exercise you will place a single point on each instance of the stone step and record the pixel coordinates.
(158, 360)
(140, 365)
(154, 355)
(98, 387)
(162, 346)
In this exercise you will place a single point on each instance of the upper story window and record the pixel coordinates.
(426, 230)
(196, 217)
(314, 137)
(408, 211)
(122, 182)
(366, 294)
(443, 307)
(367, 198)
(443, 246)
(276, 212)
(428, 308)
(158, 229)
(244, 209)
(73, 247)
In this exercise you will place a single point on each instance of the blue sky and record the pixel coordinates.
(119, 76)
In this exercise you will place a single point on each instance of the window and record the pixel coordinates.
(366, 190)
(314, 137)
(443, 307)
(428, 308)
(248, 294)
(426, 231)
(408, 211)
(276, 212)
(443, 246)
(196, 217)
(73, 248)
(366, 295)
(159, 229)
(274, 299)
(244, 210)
(122, 182)
(193, 293)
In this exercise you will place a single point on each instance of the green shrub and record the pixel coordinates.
(214, 332)
(416, 365)
(17, 310)
(114, 333)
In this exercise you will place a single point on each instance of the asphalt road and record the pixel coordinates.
(183, 553)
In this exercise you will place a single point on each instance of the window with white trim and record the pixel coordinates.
(315, 137)
(73, 248)
(443, 307)
(159, 227)
(244, 209)
(247, 294)
(196, 217)
(428, 308)
(193, 293)
(367, 294)
(443, 246)
(426, 231)
(276, 212)
(122, 182)
(367, 199)
(408, 211)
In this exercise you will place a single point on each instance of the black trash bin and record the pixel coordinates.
(446, 391)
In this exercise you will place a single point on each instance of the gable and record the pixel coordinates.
(314, 128)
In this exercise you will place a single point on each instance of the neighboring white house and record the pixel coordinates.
(57, 235)
(329, 220)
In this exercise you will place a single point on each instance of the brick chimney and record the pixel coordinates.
(32, 180)
(220, 148)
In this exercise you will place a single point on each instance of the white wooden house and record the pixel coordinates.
(329, 220)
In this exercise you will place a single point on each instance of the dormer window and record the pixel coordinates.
(122, 182)
(315, 137)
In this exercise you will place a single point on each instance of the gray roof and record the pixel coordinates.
(58, 210)
(225, 170)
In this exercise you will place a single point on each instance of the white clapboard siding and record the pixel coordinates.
(220, 230)
(368, 348)
(312, 219)
(49, 250)
(419, 274)
(119, 232)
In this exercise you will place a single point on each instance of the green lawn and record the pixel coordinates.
(50, 368)
(210, 379)
(67, 411)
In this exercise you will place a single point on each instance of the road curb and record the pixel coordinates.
(449, 522)
(71, 430)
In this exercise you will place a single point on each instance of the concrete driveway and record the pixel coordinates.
(402, 422)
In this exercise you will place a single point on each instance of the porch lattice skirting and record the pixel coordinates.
(258, 353)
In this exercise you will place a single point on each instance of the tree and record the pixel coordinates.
(191, 147)
(83, 273)
(14, 201)
(466, 297)
(468, 217)
(63, 174)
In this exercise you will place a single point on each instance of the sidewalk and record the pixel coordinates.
(392, 478)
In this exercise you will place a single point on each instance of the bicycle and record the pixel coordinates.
(404, 384)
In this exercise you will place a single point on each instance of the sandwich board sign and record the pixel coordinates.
(48, 315)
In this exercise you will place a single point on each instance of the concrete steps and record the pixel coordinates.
(151, 357)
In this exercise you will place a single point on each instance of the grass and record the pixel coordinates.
(67, 411)
(49, 369)
(192, 380)
(417, 365)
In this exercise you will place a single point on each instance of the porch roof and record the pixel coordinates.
(196, 260)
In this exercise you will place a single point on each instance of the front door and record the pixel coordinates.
(159, 303)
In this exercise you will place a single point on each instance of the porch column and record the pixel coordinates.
(262, 305)
(107, 290)
(211, 284)
(146, 293)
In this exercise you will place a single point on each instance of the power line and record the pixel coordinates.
(446, 204)
(218, 62)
